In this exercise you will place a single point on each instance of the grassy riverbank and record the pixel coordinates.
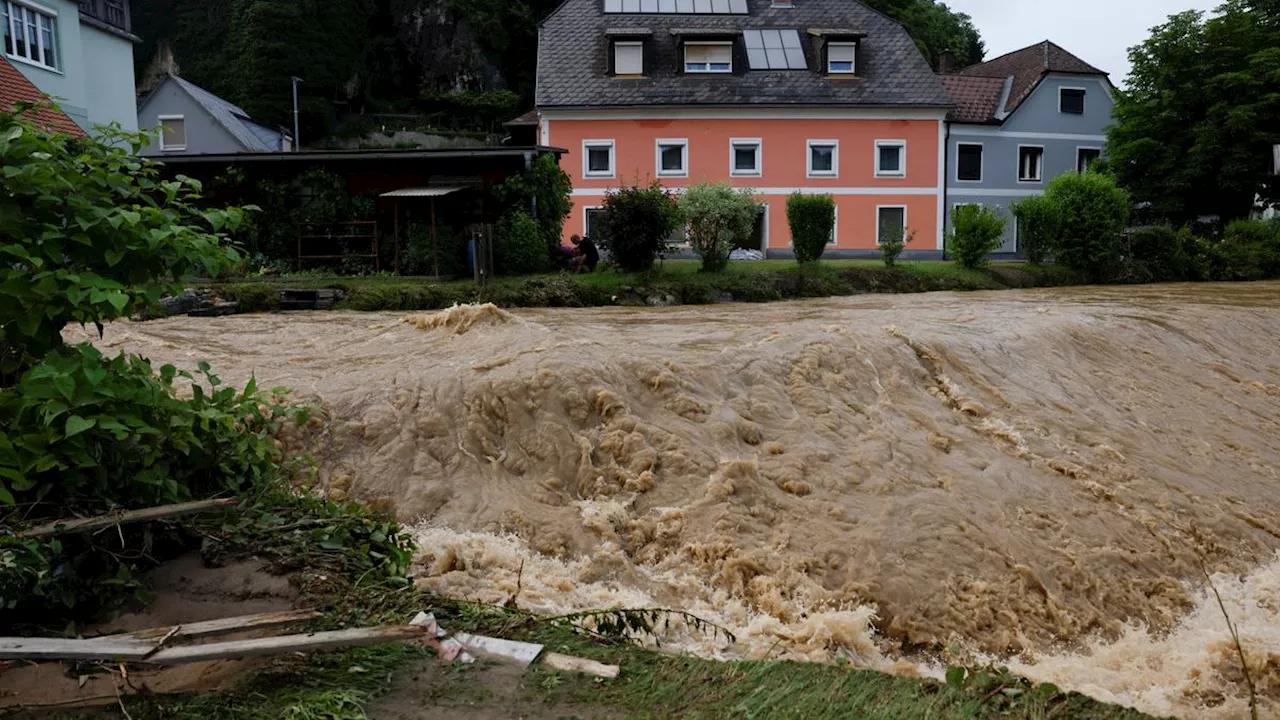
(676, 282)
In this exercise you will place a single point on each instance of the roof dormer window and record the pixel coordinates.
(628, 58)
(842, 58)
(708, 57)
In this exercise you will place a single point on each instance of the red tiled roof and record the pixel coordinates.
(16, 88)
(1027, 66)
(976, 98)
(529, 118)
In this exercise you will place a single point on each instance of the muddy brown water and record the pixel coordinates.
(1036, 476)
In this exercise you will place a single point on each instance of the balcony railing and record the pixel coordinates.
(112, 12)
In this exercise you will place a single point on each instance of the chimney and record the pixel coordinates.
(946, 62)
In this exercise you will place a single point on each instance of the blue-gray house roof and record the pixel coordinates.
(254, 136)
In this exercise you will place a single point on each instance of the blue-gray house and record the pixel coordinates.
(188, 120)
(1019, 121)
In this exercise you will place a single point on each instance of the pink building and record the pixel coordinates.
(815, 96)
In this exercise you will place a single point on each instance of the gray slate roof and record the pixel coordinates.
(573, 61)
(253, 136)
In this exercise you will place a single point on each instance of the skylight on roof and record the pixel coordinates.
(677, 7)
(774, 50)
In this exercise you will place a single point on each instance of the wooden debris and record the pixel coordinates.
(87, 525)
(215, 628)
(519, 653)
(286, 644)
(126, 648)
(568, 663)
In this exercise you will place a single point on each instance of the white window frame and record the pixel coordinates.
(905, 227)
(160, 132)
(835, 158)
(586, 224)
(658, 144)
(901, 172)
(1078, 149)
(1084, 100)
(853, 63)
(982, 164)
(684, 57)
(1038, 180)
(734, 143)
(587, 146)
(835, 227)
(619, 44)
(36, 9)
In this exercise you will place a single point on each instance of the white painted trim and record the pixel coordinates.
(835, 228)
(835, 191)
(586, 209)
(36, 6)
(1085, 147)
(727, 113)
(902, 160)
(976, 131)
(1037, 181)
(982, 166)
(854, 64)
(941, 240)
(1084, 101)
(808, 159)
(684, 157)
(544, 131)
(160, 131)
(765, 239)
(759, 143)
(966, 191)
(586, 158)
(684, 56)
(906, 226)
(618, 44)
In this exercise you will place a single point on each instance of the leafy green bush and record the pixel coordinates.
(1249, 250)
(719, 219)
(812, 219)
(517, 247)
(1038, 221)
(420, 252)
(1092, 214)
(893, 240)
(976, 232)
(635, 223)
(549, 189)
(1160, 253)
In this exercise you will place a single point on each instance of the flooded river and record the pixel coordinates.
(1039, 478)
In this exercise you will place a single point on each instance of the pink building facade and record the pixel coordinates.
(818, 97)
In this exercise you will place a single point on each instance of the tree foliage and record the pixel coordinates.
(936, 28)
(976, 232)
(518, 249)
(547, 190)
(635, 223)
(1092, 214)
(1193, 132)
(720, 218)
(812, 219)
(1038, 220)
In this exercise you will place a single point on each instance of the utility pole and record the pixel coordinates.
(297, 141)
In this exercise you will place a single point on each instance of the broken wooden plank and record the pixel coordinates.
(286, 644)
(214, 628)
(568, 663)
(124, 649)
(102, 522)
(520, 653)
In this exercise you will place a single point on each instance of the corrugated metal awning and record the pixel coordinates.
(422, 192)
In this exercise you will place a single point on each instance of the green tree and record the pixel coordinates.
(635, 224)
(719, 218)
(1092, 214)
(812, 219)
(936, 28)
(976, 232)
(517, 247)
(1193, 132)
(546, 190)
(1038, 220)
